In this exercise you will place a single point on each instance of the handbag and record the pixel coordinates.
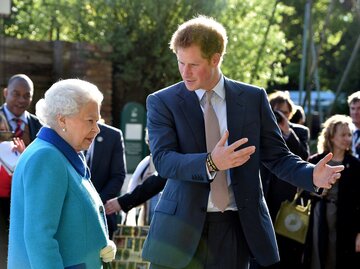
(292, 220)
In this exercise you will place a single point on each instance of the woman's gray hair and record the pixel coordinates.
(66, 97)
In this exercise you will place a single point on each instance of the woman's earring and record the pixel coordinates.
(64, 130)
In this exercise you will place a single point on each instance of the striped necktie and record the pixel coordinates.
(357, 142)
(18, 131)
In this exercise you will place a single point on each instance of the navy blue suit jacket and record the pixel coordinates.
(142, 192)
(177, 141)
(108, 169)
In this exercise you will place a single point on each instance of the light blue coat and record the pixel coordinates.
(57, 218)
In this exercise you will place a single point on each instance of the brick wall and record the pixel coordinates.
(47, 62)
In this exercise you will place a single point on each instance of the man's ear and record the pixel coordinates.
(5, 92)
(215, 59)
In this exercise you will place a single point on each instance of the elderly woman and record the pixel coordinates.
(336, 215)
(57, 219)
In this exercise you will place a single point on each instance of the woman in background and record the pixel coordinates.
(57, 219)
(336, 213)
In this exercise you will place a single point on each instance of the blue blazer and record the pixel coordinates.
(57, 217)
(177, 140)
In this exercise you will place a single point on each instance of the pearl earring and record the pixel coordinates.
(64, 129)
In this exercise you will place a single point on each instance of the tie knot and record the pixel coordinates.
(357, 134)
(18, 121)
(208, 95)
(18, 131)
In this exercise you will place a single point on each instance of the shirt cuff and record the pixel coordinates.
(211, 175)
(316, 189)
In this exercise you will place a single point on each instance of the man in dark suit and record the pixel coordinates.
(354, 112)
(190, 229)
(106, 159)
(18, 96)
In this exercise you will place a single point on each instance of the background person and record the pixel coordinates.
(336, 214)
(354, 111)
(18, 96)
(299, 116)
(195, 226)
(57, 219)
(106, 159)
(143, 214)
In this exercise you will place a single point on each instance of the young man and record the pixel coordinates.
(354, 111)
(199, 222)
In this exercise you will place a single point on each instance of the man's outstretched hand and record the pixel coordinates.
(324, 175)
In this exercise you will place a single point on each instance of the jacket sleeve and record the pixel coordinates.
(168, 156)
(143, 192)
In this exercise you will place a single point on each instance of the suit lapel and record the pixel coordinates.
(97, 151)
(7, 125)
(235, 113)
(190, 106)
(235, 106)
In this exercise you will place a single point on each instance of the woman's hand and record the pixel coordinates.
(107, 254)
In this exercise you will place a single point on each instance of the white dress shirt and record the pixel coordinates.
(10, 116)
(219, 104)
